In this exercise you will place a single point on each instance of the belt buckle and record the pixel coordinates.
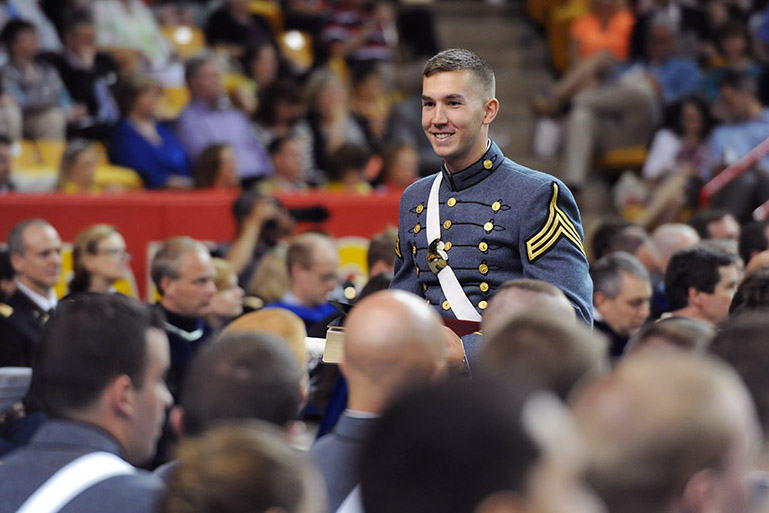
(437, 258)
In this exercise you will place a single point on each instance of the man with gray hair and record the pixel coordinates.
(621, 298)
(35, 252)
(183, 274)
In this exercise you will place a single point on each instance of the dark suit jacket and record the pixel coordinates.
(336, 455)
(21, 331)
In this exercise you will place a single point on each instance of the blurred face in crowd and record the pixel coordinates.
(191, 293)
(150, 400)
(626, 313)
(39, 267)
(82, 170)
(737, 103)
(81, 38)
(264, 66)
(111, 259)
(660, 43)
(312, 285)
(405, 168)
(25, 46)
(228, 301)
(227, 173)
(726, 228)
(715, 306)
(146, 103)
(692, 122)
(206, 85)
(288, 161)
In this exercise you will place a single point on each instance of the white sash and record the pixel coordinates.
(74, 478)
(461, 306)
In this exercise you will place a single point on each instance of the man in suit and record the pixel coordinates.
(393, 342)
(35, 252)
(99, 374)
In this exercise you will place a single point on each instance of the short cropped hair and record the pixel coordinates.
(241, 376)
(168, 260)
(607, 272)
(682, 332)
(418, 454)
(92, 339)
(237, 468)
(698, 267)
(193, 65)
(12, 30)
(301, 249)
(15, 237)
(459, 59)
(702, 218)
(549, 353)
(752, 240)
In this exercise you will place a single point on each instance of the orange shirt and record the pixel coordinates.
(594, 38)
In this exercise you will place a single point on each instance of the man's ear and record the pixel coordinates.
(176, 420)
(491, 109)
(698, 491)
(120, 396)
(694, 296)
(165, 283)
(599, 300)
(17, 262)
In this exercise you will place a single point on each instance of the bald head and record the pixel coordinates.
(671, 238)
(515, 297)
(657, 422)
(393, 341)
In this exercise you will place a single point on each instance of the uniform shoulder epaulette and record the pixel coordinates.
(5, 310)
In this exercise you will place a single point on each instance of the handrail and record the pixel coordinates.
(726, 176)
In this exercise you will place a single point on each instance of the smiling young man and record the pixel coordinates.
(482, 219)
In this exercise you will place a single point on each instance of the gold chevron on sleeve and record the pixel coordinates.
(398, 247)
(558, 224)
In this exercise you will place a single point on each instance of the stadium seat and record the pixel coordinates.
(558, 27)
(620, 159)
(297, 47)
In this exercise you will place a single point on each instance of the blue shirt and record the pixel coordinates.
(730, 141)
(154, 163)
(200, 126)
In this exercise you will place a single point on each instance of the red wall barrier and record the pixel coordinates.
(157, 215)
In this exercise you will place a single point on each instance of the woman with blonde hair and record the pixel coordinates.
(99, 258)
(227, 302)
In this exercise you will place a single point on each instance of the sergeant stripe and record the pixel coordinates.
(558, 224)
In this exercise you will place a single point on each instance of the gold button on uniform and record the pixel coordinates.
(350, 293)
(414, 249)
(483, 268)
(447, 246)
(488, 226)
(482, 305)
(484, 286)
(483, 246)
(496, 206)
(420, 208)
(428, 301)
(417, 228)
(424, 287)
(446, 305)
(447, 224)
(488, 164)
(418, 271)
(451, 202)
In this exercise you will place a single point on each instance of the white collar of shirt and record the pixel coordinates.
(45, 303)
(674, 11)
(358, 414)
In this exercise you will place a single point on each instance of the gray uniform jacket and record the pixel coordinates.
(56, 444)
(499, 221)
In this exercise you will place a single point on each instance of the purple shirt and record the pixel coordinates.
(200, 126)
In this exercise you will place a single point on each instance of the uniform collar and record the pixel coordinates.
(477, 172)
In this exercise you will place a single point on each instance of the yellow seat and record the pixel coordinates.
(51, 151)
(25, 154)
(187, 40)
(620, 159)
(122, 177)
(540, 9)
(558, 27)
(172, 102)
(297, 47)
(270, 11)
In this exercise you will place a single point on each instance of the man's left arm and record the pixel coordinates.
(552, 245)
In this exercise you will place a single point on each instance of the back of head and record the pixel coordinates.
(446, 448)
(515, 297)
(240, 376)
(238, 468)
(459, 59)
(380, 249)
(392, 341)
(697, 267)
(546, 351)
(752, 240)
(674, 332)
(279, 322)
(670, 238)
(752, 293)
(659, 420)
(302, 249)
(91, 340)
(742, 343)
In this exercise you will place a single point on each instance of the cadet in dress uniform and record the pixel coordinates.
(496, 220)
